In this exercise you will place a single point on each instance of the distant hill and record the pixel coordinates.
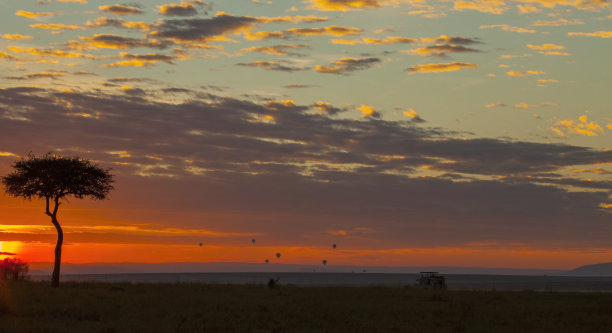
(604, 269)
(197, 267)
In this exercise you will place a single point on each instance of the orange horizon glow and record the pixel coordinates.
(84, 253)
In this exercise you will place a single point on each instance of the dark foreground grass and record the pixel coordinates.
(123, 307)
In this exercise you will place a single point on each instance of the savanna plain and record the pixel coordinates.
(29, 306)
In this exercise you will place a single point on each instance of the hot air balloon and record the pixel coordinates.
(334, 246)
(324, 262)
(253, 240)
(277, 255)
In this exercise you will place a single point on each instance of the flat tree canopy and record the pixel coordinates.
(53, 178)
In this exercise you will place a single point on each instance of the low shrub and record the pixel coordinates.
(14, 269)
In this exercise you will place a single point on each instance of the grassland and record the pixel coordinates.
(122, 307)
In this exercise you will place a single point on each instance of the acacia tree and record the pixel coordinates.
(54, 178)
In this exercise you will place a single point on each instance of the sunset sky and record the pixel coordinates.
(407, 132)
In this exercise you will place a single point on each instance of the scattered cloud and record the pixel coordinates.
(280, 50)
(48, 52)
(600, 171)
(441, 67)
(485, 6)
(16, 36)
(600, 34)
(451, 40)
(143, 60)
(582, 126)
(282, 66)
(526, 9)
(41, 75)
(34, 15)
(108, 41)
(297, 86)
(549, 49)
(506, 27)
(203, 29)
(531, 106)
(368, 111)
(413, 115)
(4, 55)
(347, 65)
(556, 23)
(54, 26)
(326, 107)
(546, 47)
(529, 72)
(121, 9)
(334, 30)
(118, 23)
(185, 8)
(344, 5)
(441, 50)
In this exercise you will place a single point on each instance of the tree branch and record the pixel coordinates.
(47, 211)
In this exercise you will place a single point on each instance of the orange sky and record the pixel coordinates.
(463, 133)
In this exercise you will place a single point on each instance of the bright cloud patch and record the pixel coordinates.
(484, 6)
(442, 67)
(580, 127)
(120, 9)
(600, 34)
(344, 5)
(345, 65)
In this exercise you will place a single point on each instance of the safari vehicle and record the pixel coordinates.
(431, 280)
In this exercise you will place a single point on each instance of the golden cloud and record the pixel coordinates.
(120, 9)
(556, 23)
(546, 47)
(16, 36)
(280, 50)
(580, 127)
(530, 106)
(333, 30)
(345, 65)
(376, 41)
(55, 26)
(142, 60)
(292, 19)
(600, 34)
(7, 56)
(506, 27)
(118, 23)
(33, 15)
(45, 52)
(344, 5)
(485, 6)
(368, 111)
(526, 9)
(108, 41)
(410, 113)
(183, 9)
(441, 67)
(529, 72)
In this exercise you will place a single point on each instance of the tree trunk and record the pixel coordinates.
(58, 253)
(60, 239)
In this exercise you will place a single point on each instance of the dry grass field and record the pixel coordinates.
(27, 306)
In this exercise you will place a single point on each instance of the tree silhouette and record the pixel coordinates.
(54, 178)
